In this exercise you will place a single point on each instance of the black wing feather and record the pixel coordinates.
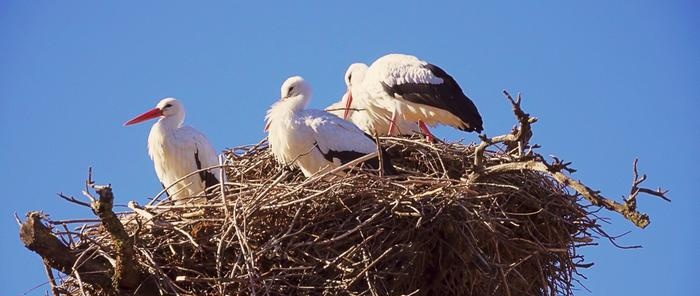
(207, 177)
(447, 96)
(348, 156)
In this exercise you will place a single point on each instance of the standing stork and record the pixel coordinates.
(314, 140)
(178, 151)
(398, 86)
(359, 114)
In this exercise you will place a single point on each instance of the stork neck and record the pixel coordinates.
(292, 105)
(171, 122)
(283, 111)
(359, 97)
(297, 103)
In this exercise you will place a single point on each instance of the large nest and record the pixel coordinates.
(492, 219)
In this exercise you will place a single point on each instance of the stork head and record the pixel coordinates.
(295, 87)
(294, 95)
(353, 76)
(167, 108)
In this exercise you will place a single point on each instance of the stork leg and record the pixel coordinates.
(392, 124)
(428, 135)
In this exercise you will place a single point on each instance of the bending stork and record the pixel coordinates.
(178, 150)
(314, 140)
(359, 114)
(398, 86)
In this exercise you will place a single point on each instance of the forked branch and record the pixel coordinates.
(36, 236)
(122, 277)
(520, 137)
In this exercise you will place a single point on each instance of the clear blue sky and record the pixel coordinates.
(609, 82)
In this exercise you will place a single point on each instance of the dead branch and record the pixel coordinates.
(627, 209)
(52, 281)
(520, 137)
(127, 275)
(113, 278)
(73, 200)
(38, 238)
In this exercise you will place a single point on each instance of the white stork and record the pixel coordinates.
(314, 140)
(178, 150)
(359, 114)
(398, 86)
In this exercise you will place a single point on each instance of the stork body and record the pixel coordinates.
(402, 87)
(359, 115)
(177, 151)
(313, 140)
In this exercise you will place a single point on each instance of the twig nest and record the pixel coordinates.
(487, 219)
(428, 231)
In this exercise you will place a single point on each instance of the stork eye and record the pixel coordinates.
(167, 106)
(289, 91)
(350, 77)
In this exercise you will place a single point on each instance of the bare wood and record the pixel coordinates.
(125, 274)
(627, 209)
(52, 280)
(222, 188)
(519, 138)
(73, 200)
(38, 238)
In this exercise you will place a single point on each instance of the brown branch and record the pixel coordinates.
(637, 180)
(52, 280)
(380, 154)
(73, 200)
(125, 278)
(38, 238)
(127, 275)
(518, 137)
(627, 209)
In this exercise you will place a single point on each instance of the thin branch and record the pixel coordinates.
(222, 188)
(73, 200)
(519, 137)
(635, 190)
(380, 156)
(626, 209)
(18, 220)
(52, 280)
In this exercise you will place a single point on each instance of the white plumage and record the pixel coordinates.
(398, 86)
(313, 140)
(178, 150)
(360, 115)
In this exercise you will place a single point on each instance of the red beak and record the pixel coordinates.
(348, 103)
(153, 113)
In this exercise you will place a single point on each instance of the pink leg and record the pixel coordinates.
(428, 135)
(392, 126)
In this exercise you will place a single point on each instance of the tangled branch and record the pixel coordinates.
(520, 137)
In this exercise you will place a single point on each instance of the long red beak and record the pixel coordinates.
(153, 113)
(348, 103)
